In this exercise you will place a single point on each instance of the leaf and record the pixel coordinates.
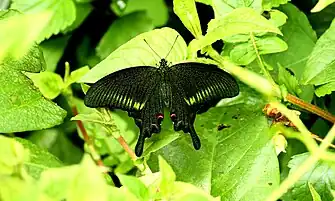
(76, 75)
(155, 9)
(320, 65)
(63, 13)
(244, 53)
(167, 176)
(244, 149)
(122, 30)
(268, 4)
(187, 13)
(278, 18)
(53, 50)
(17, 189)
(315, 195)
(321, 5)
(22, 107)
(321, 21)
(187, 192)
(50, 84)
(82, 11)
(19, 32)
(321, 176)
(12, 156)
(135, 186)
(39, 159)
(239, 21)
(223, 7)
(134, 51)
(325, 89)
(289, 81)
(88, 183)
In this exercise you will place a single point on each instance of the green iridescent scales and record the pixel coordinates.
(186, 89)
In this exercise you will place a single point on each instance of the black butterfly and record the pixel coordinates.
(186, 89)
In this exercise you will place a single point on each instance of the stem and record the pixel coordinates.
(261, 64)
(126, 147)
(311, 108)
(303, 168)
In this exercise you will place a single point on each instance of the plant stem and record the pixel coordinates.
(126, 147)
(303, 168)
(311, 108)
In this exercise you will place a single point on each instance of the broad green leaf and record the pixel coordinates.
(156, 9)
(50, 84)
(223, 7)
(244, 149)
(53, 50)
(321, 176)
(187, 192)
(207, 2)
(58, 143)
(12, 156)
(17, 189)
(39, 159)
(121, 194)
(88, 183)
(245, 53)
(135, 186)
(167, 176)
(289, 81)
(320, 65)
(315, 195)
(137, 53)
(122, 30)
(19, 32)
(22, 106)
(268, 4)
(187, 13)
(239, 21)
(82, 11)
(321, 5)
(325, 89)
(63, 13)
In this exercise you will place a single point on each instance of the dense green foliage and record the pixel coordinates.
(53, 147)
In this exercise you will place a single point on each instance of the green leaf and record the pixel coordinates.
(135, 186)
(53, 50)
(325, 89)
(12, 156)
(50, 84)
(19, 32)
(76, 75)
(82, 11)
(244, 149)
(156, 10)
(223, 7)
(63, 13)
(122, 30)
(315, 195)
(289, 81)
(132, 53)
(245, 20)
(321, 5)
(268, 4)
(187, 13)
(167, 176)
(321, 176)
(321, 21)
(320, 65)
(88, 183)
(17, 189)
(278, 18)
(39, 159)
(244, 54)
(22, 106)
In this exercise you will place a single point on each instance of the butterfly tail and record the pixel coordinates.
(140, 144)
(195, 138)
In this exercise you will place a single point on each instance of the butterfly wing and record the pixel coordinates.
(196, 87)
(136, 90)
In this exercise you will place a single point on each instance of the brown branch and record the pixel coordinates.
(87, 139)
(126, 147)
(317, 138)
(311, 108)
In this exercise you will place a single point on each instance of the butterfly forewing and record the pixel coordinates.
(127, 89)
(202, 85)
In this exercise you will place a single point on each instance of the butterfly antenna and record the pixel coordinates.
(152, 49)
(175, 40)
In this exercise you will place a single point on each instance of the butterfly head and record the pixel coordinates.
(163, 63)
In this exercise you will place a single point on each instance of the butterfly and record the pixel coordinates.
(186, 89)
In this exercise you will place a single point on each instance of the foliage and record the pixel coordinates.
(51, 51)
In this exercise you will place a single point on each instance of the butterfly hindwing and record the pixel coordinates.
(203, 85)
(127, 89)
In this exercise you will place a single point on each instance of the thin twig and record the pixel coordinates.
(126, 147)
(311, 108)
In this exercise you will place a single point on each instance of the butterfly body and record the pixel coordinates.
(185, 89)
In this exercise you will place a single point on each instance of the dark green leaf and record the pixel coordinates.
(135, 186)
